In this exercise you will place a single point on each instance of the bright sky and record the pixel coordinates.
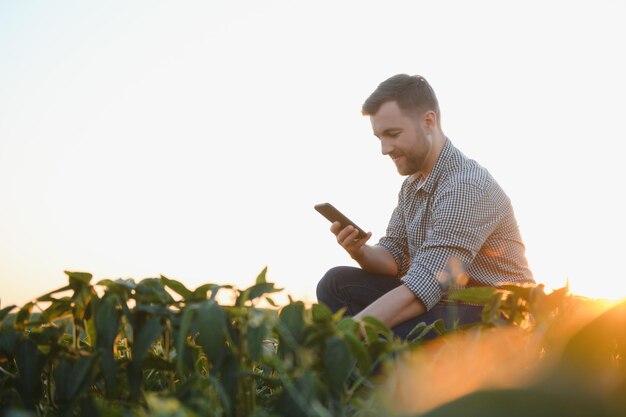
(192, 139)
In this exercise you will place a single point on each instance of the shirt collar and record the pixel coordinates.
(440, 167)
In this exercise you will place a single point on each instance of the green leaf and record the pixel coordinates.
(146, 336)
(491, 312)
(370, 335)
(261, 278)
(256, 291)
(107, 322)
(178, 288)
(30, 363)
(422, 329)
(378, 327)
(45, 337)
(222, 394)
(152, 291)
(439, 326)
(72, 379)
(149, 332)
(260, 289)
(348, 324)
(22, 317)
(200, 293)
(338, 363)
(78, 279)
(321, 314)
(121, 287)
(291, 324)
(48, 296)
(299, 397)
(81, 299)
(255, 336)
(215, 289)
(5, 311)
(271, 302)
(57, 309)
(211, 324)
(364, 361)
(521, 290)
(338, 315)
(229, 377)
(8, 342)
(181, 340)
(416, 332)
(90, 331)
(153, 309)
(475, 295)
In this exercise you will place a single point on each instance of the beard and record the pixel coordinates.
(413, 162)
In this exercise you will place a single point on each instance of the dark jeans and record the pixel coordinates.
(355, 289)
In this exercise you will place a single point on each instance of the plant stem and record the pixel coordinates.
(74, 334)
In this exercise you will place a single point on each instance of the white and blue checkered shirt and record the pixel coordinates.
(458, 218)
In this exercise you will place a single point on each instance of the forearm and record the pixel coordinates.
(395, 307)
(377, 260)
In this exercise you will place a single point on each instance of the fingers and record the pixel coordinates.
(359, 243)
(348, 239)
(335, 228)
(342, 234)
(346, 235)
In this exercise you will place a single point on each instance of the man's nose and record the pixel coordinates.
(385, 147)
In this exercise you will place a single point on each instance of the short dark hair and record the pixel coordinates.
(411, 92)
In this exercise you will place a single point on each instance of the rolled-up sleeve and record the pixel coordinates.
(462, 218)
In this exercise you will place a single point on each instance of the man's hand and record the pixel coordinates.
(347, 238)
(374, 259)
(394, 307)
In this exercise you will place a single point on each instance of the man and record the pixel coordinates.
(453, 225)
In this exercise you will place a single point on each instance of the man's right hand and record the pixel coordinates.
(347, 238)
(374, 259)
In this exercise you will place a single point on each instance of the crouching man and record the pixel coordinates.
(452, 223)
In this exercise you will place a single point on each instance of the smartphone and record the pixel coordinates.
(331, 213)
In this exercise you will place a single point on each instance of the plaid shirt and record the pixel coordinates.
(457, 223)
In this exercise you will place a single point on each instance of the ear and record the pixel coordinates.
(429, 119)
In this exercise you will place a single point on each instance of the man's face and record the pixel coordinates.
(403, 137)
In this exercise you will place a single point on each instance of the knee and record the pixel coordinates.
(327, 286)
